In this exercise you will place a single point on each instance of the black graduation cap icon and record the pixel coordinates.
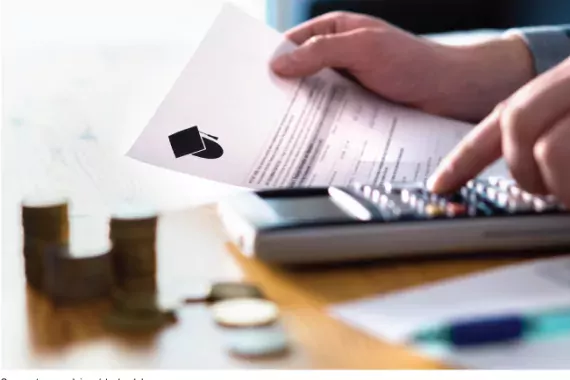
(193, 141)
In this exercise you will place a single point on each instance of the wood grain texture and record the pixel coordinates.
(66, 116)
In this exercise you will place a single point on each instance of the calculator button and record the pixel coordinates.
(413, 201)
(540, 205)
(455, 209)
(514, 190)
(386, 199)
(506, 184)
(465, 193)
(433, 210)
(385, 188)
(391, 210)
(480, 188)
(479, 209)
(492, 194)
(502, 200)
(367, 191)
(471, 198)
(527, 197)
(518, 205)
(420, 205)
(375, 196)
(390, 214)
(494, 181)
(407, 195)
(547, 203)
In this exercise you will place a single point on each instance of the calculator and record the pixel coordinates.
(391, 220)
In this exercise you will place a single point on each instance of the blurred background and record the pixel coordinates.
(37, 21)
(430, 16)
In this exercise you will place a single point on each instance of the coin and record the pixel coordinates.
(45, 227)
(81, 271)
(228, 290)
(133, 233)
(244, 312)
(192, 293)
(133, 221)
(257, 342)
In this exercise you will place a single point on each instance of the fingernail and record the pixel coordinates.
(434, 181)
(431, 182)
(281, 64)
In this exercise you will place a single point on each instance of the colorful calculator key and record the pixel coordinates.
(456, 209)
(478, 198)
(434, 210)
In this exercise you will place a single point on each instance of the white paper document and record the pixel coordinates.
(529, 287)
(228, 118)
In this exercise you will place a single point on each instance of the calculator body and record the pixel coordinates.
(360, 222)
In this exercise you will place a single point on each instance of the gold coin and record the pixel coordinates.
(221, 291)
(245, 312)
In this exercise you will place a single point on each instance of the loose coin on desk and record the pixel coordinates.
(257, 341)
(228, 290)
(224, 290)
(245, 312)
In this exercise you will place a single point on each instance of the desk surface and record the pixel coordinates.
(70, 113)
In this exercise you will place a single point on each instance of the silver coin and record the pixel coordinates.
(245, 312)
(257, 341)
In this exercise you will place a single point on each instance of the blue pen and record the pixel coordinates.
(494, 329)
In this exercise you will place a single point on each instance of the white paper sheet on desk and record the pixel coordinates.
(257, 130)
(528, 287)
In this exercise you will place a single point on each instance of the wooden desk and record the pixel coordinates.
(68, 116)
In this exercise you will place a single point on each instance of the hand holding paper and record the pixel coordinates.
(229, 118)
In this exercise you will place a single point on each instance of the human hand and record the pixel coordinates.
(462, 82)
(531, 130)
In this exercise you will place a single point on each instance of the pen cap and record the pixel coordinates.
(489, 330)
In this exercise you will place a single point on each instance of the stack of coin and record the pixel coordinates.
(83, 271)
(45, 227)
(136, 304)
(133, 234)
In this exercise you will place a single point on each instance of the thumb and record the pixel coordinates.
(329, 50)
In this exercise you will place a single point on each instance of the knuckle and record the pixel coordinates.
(500, 108)
(547, 152)
(513, 123)
(317, 43)
(338, 15)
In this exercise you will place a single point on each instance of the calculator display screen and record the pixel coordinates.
(303, 209)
